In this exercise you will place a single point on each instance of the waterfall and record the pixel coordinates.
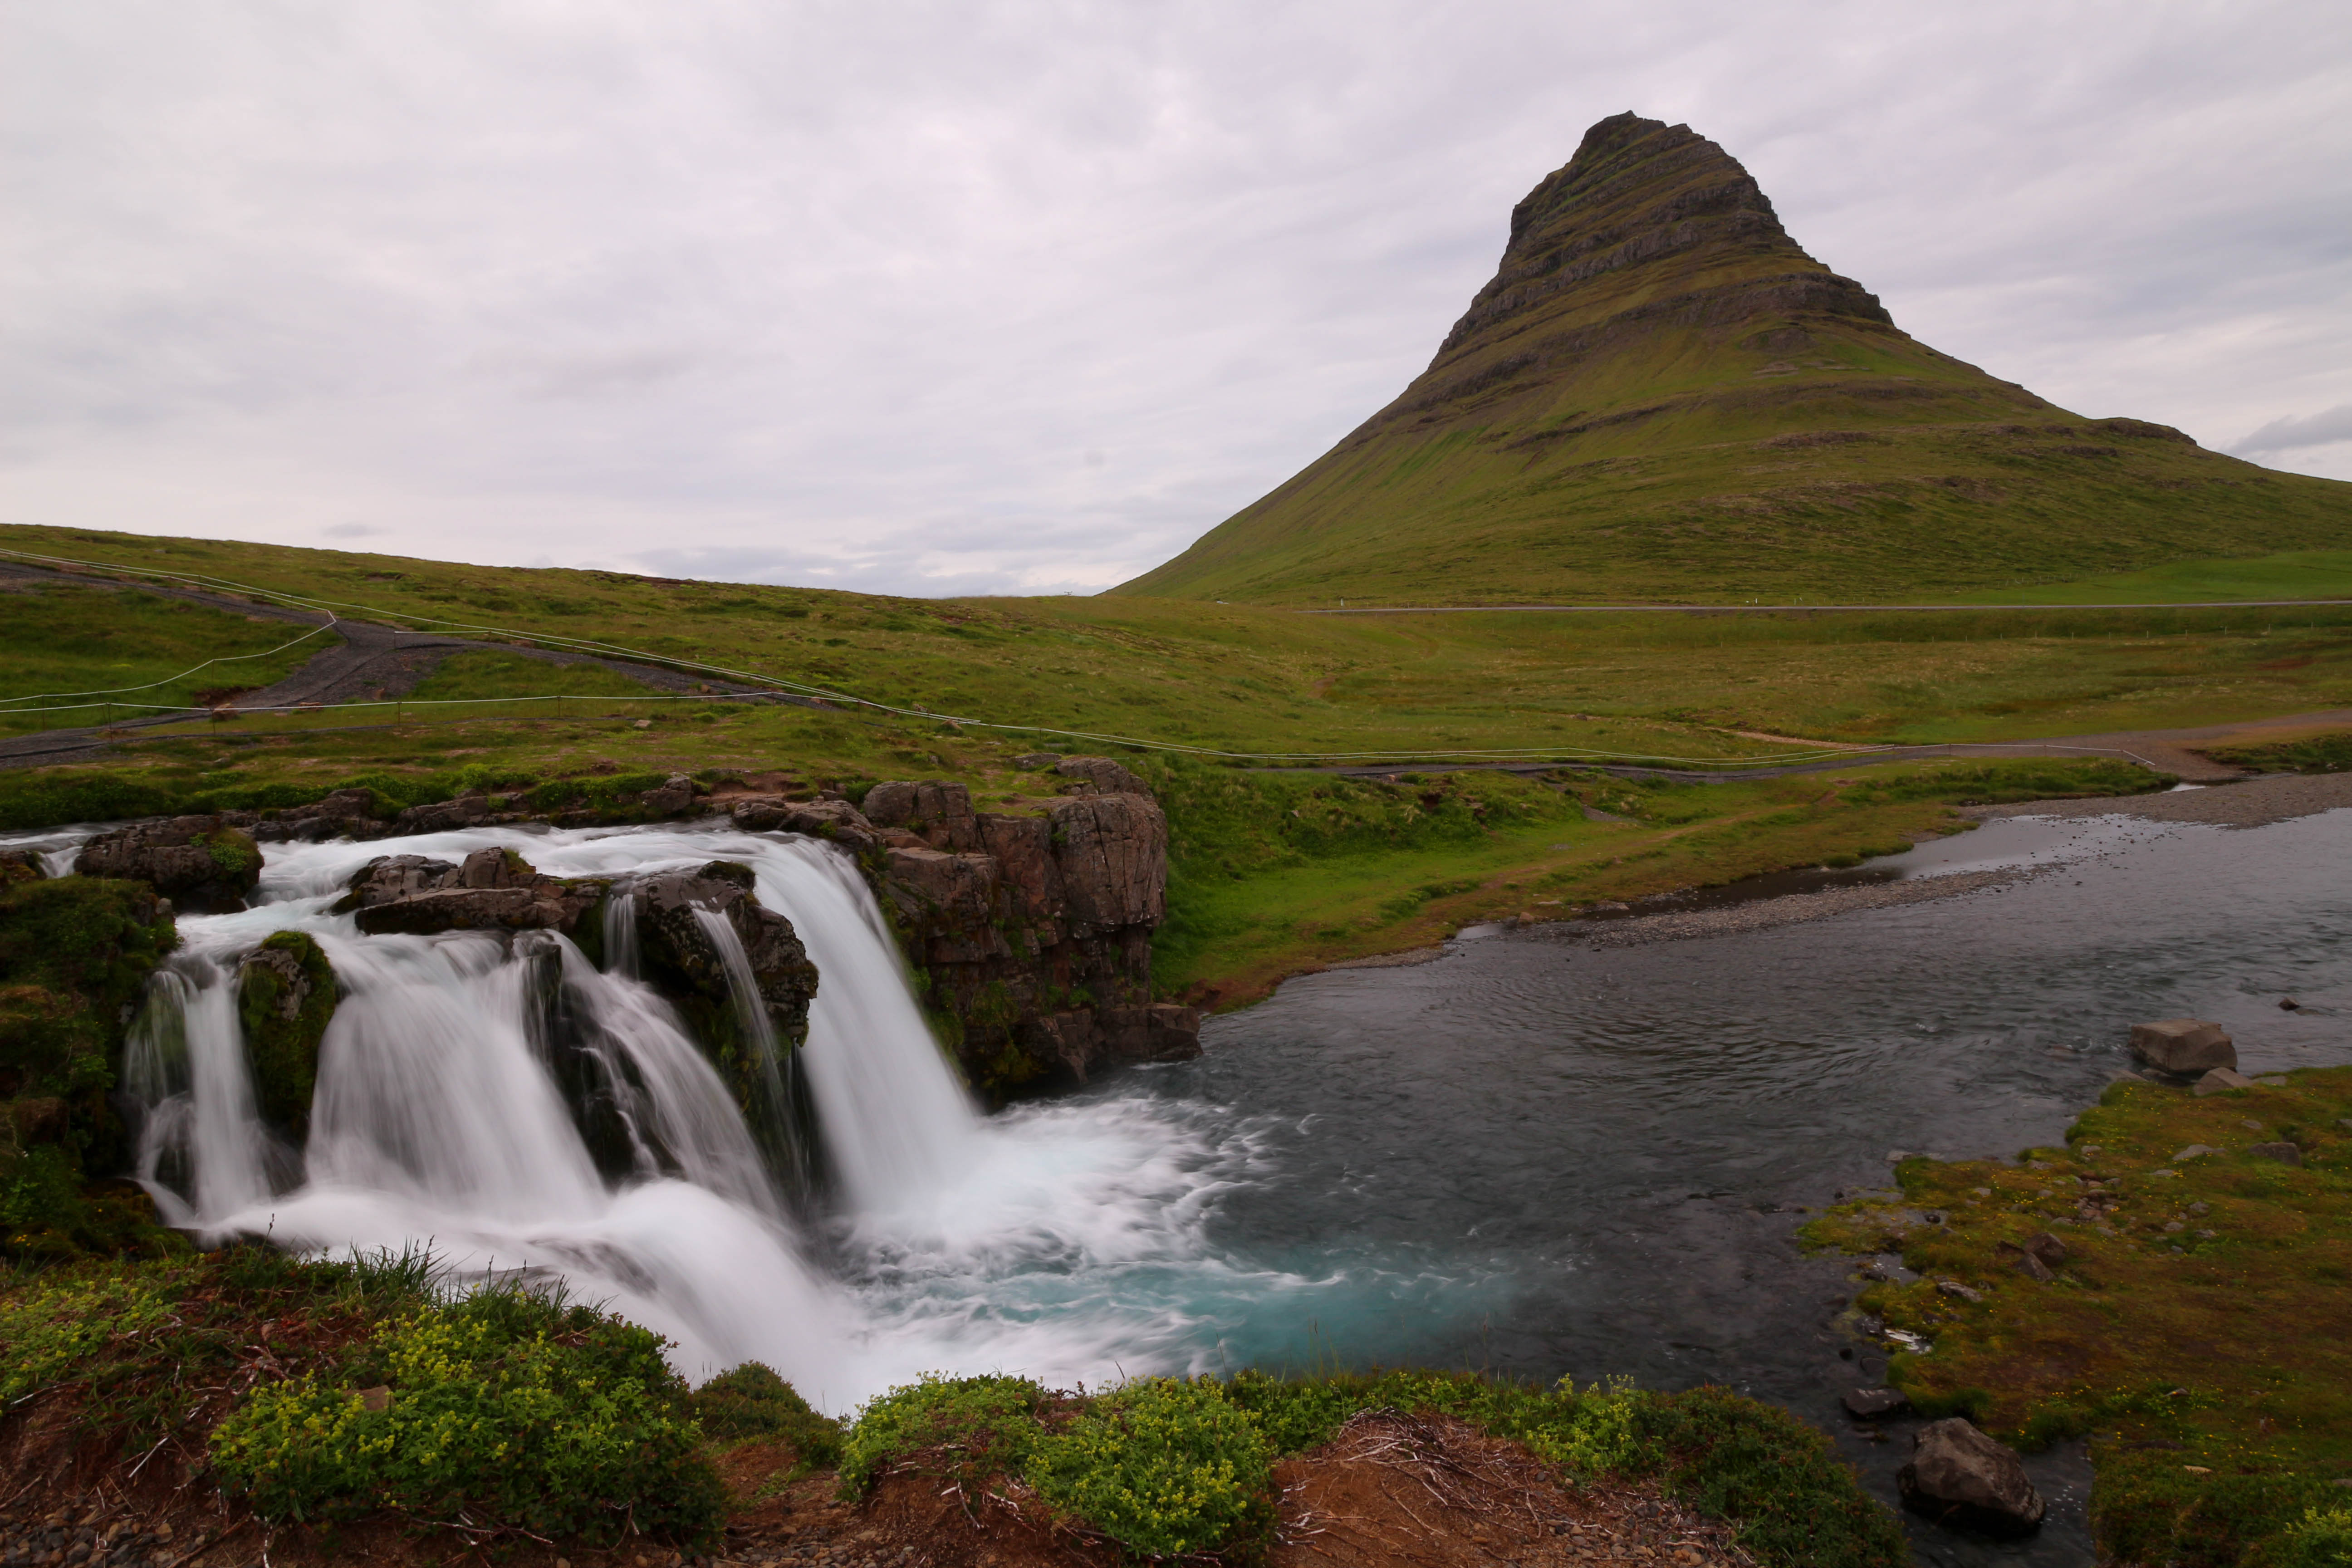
(202, 1146)
(897, 1126)
(504, 1102)
(679, 1118)
(621, 935)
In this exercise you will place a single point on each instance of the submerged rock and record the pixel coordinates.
(1873, 1403)
(2185, 1045)
(286, 995)
(201, 864)
(1957, 1476)
(1086, 1038)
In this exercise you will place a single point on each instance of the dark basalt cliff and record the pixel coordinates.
(1661, 396)
(1029, 931)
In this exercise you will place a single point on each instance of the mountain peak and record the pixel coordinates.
(1659, 395)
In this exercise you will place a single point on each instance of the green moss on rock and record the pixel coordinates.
(286, 998)
(75, 954)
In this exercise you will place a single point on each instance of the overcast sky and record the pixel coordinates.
(1024, 298)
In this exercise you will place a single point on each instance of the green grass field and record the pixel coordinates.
(1247, 908)
(71, 641)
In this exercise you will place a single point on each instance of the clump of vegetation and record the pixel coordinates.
(1163, 1467)
(509, 1406)
(1169, 1467)
(965, 1429)
(752, 1403)
(2215, 1447)
(2329, 754)
(75, 954)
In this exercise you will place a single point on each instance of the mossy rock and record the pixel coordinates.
(286, 998)
(75, 955)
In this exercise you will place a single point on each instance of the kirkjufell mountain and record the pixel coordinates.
(1662, 397)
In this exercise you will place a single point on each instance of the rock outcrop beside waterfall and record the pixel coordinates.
(1031, 929)
(682, 954)
(669, 922)
(204, 864)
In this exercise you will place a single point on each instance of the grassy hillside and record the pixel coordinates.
(1254, 680)
(58, 642)
(1272, 872)
(1661, 396)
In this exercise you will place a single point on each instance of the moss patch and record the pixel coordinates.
(286, 998)
(2195, 1328)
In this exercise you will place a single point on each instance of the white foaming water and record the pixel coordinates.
(1064, 1241)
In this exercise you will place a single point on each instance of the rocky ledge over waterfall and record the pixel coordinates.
(1030, 928)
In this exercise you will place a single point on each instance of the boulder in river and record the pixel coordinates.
(1957, 1476)
(2185, 1045)
(201, 863)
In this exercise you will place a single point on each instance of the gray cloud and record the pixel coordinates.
(2322, 429)
(846, 294)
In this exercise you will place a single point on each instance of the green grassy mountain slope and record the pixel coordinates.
(1661, 396)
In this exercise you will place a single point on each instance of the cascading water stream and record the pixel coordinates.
(508, 1103)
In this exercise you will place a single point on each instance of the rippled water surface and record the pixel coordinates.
(1538, 1154)
(1548, 1157)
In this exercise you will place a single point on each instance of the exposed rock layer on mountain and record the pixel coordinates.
(1661, 396)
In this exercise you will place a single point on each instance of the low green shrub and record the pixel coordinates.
(964, 1428)
(2321, 1539)
(752, 1401)
(50, 1331)
(1163, 1467)
(1795, 1502)
(509, 1404)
